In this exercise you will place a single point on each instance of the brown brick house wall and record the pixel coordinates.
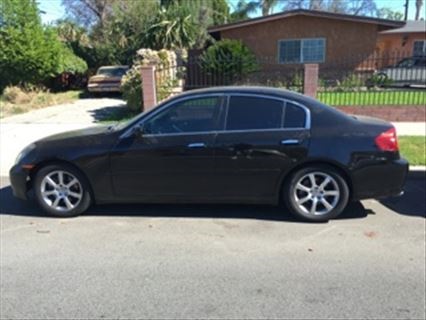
(345, 40)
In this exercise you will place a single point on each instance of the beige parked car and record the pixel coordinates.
(107, 79)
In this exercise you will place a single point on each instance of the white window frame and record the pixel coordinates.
(301, 50)
(424, 45)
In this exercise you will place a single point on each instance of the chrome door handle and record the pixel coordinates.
(290, 142)
(196, 145)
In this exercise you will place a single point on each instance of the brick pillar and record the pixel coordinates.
(310, 82)
(149, 95)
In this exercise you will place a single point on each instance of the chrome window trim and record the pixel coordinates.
(165, 107)
(225, 103)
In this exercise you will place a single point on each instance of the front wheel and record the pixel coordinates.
(61, 190)
(316, 193)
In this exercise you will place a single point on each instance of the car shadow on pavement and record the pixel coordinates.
(114, 113)
(412, 203)
(9, 205)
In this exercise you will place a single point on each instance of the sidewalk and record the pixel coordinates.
(410, 128)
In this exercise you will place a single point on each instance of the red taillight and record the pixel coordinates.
(387, 141)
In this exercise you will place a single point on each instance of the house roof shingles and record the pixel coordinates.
(312, 13)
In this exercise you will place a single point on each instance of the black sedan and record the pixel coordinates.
(219, 145)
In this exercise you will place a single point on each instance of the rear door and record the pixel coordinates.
(263, 137)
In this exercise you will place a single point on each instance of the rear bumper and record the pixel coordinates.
(19, 182)
(104, 87)
(381, 180)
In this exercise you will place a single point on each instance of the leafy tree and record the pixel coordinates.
(355, 7)
(29, 52)
(387, 13)
(228, 60)
(89, 12)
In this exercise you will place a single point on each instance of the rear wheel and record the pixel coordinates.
(61, 190)
(316, 193)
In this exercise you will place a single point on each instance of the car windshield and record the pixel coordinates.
(112, 71)
(406, 63)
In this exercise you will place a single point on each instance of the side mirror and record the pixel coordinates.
(138, 130)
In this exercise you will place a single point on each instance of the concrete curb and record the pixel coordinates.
(417, 172)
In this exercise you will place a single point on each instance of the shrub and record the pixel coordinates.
(16, 95)
(131, 86)
(350, 83)
(165, 62)
(229, 61)
(378, 80)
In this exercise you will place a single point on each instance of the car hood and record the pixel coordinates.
(83, 136)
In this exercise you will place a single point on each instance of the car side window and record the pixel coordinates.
(247, 112)
(420, 62)
(193, 115)
(406, 63)
(294, 116)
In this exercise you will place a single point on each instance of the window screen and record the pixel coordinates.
(294, 117)
(302, 50)
(290, 51)
(254, 113)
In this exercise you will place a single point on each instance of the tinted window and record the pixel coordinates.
(254, 113)
(201, 114)
(420, 62)
(295, 116)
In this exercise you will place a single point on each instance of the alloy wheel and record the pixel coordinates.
(316, 193)
(61, 190)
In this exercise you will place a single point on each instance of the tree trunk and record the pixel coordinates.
(419, 4)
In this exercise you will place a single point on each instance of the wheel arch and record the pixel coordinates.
(315, 162)
(56, 161)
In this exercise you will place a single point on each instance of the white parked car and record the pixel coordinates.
(409, 71)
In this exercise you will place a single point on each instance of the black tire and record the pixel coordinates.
(81, 187)
(291, 193)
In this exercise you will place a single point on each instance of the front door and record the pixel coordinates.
(174, 156)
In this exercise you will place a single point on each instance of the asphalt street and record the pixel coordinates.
(204, 261)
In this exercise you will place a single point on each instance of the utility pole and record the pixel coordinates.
(407, 2)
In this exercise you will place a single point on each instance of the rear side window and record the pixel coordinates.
(295, 116)
(245, 113)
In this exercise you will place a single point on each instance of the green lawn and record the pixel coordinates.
(368, 98)
(413, 149)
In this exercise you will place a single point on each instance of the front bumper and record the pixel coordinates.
(19, 180)
(95, 87)
(381, 180)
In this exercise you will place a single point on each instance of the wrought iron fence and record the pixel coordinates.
(395, 78)
(391, 79)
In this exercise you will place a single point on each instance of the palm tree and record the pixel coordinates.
(419, 4)
(267, 6)
(243, 9)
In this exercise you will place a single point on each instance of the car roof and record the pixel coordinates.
(277, 92)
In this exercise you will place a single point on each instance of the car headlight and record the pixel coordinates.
(25, 152)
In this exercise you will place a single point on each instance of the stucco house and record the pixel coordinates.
(407, 41)
(292, 38)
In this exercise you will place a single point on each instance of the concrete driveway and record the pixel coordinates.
(170, 261)
(18, 131)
